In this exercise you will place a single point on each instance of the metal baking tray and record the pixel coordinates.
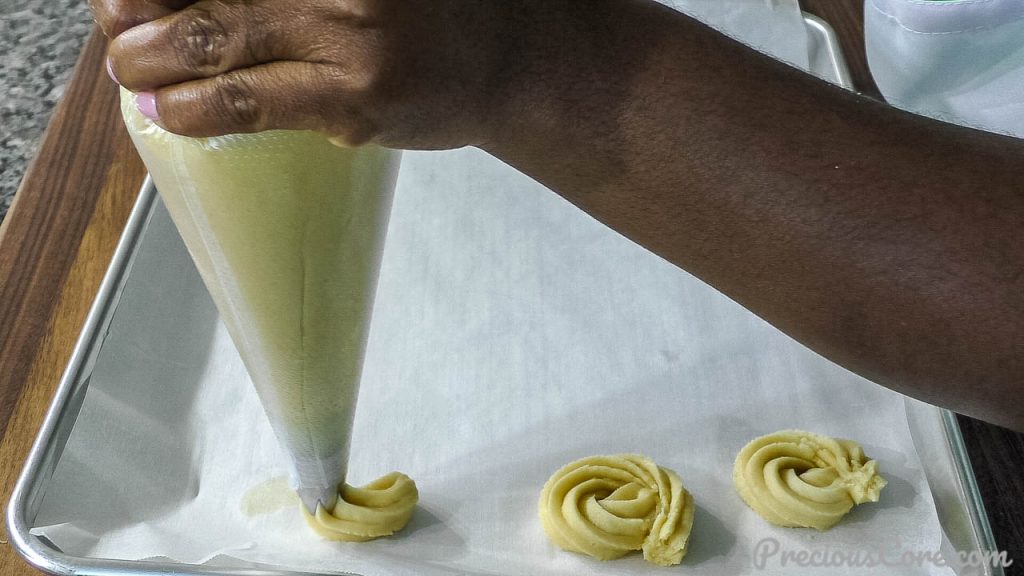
(935, 432)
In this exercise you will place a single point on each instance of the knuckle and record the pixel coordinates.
(199, 39)
(236, 104)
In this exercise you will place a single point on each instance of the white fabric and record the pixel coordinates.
(961, 61)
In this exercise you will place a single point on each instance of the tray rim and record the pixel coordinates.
(63, 412)
(59, 420)
(59, 423)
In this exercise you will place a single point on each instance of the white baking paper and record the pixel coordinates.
(511, 334)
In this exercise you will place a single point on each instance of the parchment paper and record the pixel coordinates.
(511, 334)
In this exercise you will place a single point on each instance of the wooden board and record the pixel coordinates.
(55, 246)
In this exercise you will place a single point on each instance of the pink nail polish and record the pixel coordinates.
(146, 101)
(110, 72)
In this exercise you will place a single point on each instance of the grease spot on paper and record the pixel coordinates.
(268, 497)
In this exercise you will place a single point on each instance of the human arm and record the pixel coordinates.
(889, 243)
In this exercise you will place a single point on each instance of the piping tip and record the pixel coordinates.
(312, 497)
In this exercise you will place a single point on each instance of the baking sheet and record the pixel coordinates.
(488, 368)
(529, 322)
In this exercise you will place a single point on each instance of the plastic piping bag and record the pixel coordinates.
(287, 232)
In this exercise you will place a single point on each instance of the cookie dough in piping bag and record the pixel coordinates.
(287, 232)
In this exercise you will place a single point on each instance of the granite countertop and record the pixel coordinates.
(39, 44)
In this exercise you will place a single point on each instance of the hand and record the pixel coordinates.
(403, 73)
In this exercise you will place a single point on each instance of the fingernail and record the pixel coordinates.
(146, 102)
(110, 72)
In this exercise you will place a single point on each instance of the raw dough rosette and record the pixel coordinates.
(378, 509)
(608, 506)
(798, 479)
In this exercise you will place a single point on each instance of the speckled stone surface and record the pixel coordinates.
(39, 43)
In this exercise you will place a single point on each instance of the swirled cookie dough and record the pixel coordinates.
(798, 479)
(608, 506)
(378, 509)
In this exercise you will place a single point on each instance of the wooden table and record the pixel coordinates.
(59, 236)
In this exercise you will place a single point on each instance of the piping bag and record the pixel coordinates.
(287, 231)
